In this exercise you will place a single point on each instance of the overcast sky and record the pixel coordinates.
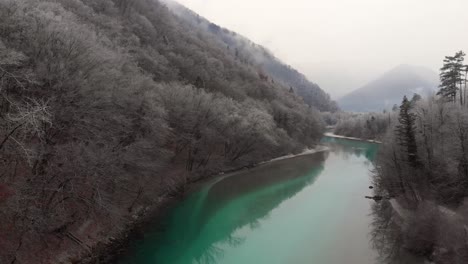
(342, 44)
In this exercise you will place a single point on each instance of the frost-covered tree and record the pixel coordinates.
(451, 77)
(406, 132)
(98, 119)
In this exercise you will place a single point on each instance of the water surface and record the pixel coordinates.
(308, 209)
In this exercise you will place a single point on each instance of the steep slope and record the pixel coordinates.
(109, 106)
(257, 56)
(390, 88)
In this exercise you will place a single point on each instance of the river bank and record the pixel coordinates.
(330, 134)
(317, 198)
(115, 247)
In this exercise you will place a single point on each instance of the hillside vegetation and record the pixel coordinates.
(269, 67)
(106, 106)
(422, 171)
(370, 126)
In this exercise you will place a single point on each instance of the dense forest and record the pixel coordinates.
(108, 106)
(370, 126)
(421, 173)
(252, 54)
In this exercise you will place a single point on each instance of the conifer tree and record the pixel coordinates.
(416, 98)
(405, 132)
(465, 70)
(451, 77)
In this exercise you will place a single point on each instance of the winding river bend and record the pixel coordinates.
(307, 209)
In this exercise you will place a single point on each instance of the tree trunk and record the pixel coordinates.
(464, 87)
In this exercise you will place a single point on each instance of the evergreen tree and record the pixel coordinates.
(416, 98)
(451, 77)
(405, 132)
(465, 70)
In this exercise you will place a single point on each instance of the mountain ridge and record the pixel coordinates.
(269, 66)
(388, 89)
(110, 106)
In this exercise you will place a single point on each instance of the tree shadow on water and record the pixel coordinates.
(387, 238)
(204, 226)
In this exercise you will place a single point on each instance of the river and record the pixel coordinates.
(307, 209)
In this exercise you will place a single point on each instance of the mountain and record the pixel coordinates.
(257, 56)
(108, 107)
(390, 88)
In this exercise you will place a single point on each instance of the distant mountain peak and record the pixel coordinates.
(422, 71)
(388, 89)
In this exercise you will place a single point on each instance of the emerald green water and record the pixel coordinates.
(308, 209)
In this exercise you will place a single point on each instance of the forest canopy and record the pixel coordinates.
(106, 106)
(422, 166)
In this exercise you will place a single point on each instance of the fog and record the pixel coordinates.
(342, 44)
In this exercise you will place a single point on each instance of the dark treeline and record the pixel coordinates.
(108, 105)
(422, 168)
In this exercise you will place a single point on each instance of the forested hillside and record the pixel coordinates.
(268, 66)
(370, 126)
(367, 125)
(422, 173)
(107, 106)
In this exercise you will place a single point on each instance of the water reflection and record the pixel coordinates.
(385, 233)
(386, 236)
(352, 147)
(283, 212)
(204, 224)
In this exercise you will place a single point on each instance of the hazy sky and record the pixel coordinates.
(342, 44)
